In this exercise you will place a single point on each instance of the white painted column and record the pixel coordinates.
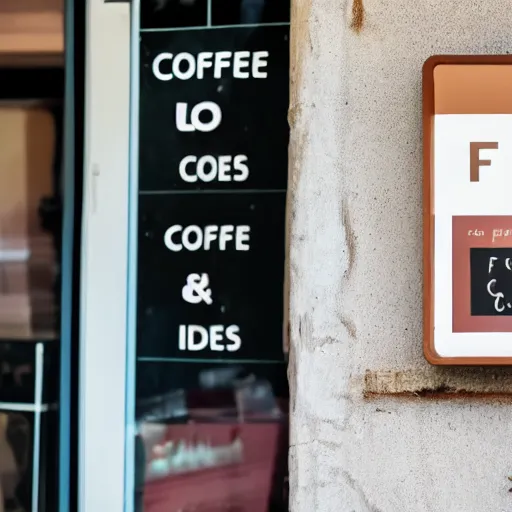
(104, 259)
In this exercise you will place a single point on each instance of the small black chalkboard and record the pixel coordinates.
(491, 281)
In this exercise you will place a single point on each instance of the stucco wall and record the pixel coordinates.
(374, 427)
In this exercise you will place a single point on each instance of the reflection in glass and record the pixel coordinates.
(28, 259)
(15, 459)
(30, 249)
(216, 447)
(28, 415)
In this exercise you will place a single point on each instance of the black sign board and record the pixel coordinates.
(245, 286)
(249, 147)
(213, 140)
(491, 281)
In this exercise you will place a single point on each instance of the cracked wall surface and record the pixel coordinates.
(355, 272)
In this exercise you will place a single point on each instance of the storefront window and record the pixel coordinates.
(208, 386)
(30, 252)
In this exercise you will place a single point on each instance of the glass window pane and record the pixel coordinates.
(209, 383)
(30, 251)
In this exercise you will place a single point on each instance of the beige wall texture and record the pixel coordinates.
(374, 427)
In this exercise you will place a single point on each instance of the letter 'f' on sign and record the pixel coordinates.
(474, 158)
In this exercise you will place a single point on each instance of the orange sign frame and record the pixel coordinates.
(453, 84)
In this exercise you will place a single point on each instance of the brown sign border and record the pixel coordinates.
(428, 207)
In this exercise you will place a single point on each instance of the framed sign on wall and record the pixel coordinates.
(467, 130)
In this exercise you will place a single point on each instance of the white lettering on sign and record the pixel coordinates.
(209, 168)
(492, 259)
(193, 238)
(205, 117)
(195, 123)
(217, 337)
(499, 298)
(498, 306)
(196, 290)
(184, 66)
(498, 233)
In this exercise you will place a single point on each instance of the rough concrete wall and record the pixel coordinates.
(374, 427)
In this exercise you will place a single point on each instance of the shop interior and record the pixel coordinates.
(31, 213)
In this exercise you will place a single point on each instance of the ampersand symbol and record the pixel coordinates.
(196, 290)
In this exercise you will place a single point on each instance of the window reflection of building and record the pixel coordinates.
(226, 436)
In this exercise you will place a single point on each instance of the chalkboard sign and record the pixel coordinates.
(239, 75)
(213, 144)
(235, 242)
(491, 281)
(482, 274)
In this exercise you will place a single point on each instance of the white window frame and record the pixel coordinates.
(104, 263)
